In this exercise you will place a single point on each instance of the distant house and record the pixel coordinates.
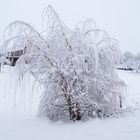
(14, 55)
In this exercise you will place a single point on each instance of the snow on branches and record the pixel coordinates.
(76, 67)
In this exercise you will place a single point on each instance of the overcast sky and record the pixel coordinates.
(120, 18)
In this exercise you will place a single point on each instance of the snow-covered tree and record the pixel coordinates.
(132, 60)
(76, 67)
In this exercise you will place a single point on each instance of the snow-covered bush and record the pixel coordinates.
(76, 67)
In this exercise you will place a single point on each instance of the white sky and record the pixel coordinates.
(120, 18)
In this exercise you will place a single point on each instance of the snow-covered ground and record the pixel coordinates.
(18, 119)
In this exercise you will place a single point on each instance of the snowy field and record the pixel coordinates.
(18, 119)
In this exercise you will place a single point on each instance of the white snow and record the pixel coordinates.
(18, 121)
